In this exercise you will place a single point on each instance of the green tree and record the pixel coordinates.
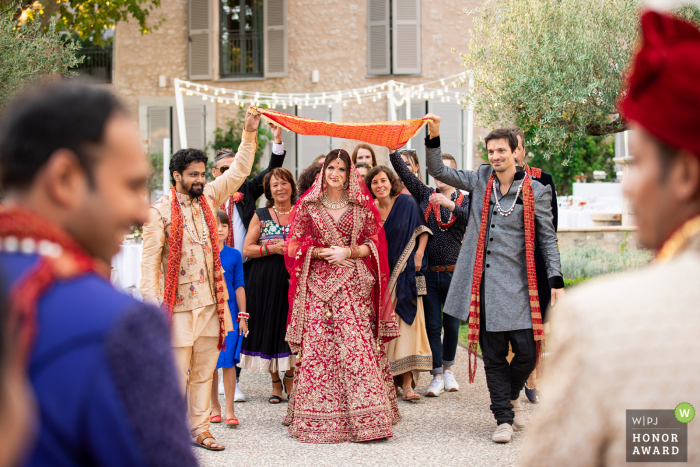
(557, 67)
(29, 52)
(585, 155)
(230, 138)
(90, 19)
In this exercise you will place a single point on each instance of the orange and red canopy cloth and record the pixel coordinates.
(393, 135)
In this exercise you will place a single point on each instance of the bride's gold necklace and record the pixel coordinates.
(334, 205)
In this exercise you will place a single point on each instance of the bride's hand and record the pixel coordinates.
(346, 263)
(334, 254)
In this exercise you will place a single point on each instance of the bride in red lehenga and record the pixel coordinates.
(340, 315)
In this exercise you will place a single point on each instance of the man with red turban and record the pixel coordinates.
(631, 342)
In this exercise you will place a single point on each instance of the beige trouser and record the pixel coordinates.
(200, 360)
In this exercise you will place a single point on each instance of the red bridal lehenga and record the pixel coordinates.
(339, 322)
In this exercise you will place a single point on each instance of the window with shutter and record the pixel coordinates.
(310, 147)
(200, 39)
(195, 117)
(241, 37)
(406, 42)
(158, 127)
(275, 38)
(378, 33)
(451, 128)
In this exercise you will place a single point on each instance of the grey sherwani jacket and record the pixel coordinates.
(505, 297)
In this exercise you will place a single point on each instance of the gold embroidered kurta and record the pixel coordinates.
(195, 290)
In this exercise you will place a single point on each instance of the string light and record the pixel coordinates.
(397, 94)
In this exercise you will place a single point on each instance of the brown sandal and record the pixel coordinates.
(205, 436)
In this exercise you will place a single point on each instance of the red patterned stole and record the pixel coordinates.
(229, 212)
(533, 171)
(435, 209)
(175, 257)
(60, 257)
(475, 306)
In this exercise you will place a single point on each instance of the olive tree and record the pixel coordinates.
(556, 67)
(29, 52)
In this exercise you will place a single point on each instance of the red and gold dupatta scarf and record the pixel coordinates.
(175, 257)
(475, 306)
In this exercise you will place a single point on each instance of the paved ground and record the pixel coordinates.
(453, 429)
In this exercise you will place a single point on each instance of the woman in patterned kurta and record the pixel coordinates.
(340, 315)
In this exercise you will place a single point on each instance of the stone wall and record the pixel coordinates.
(608, 238)
(325, 35)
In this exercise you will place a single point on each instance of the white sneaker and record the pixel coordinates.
(451, 384)
(221, 387)
(518, 415)
(503, 434)
(239, 396)
(437, 387)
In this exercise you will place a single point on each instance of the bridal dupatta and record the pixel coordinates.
(367, 230)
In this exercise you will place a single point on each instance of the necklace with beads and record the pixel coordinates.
(334, 205)
(498, 205)
(274, 208)
(194, 237)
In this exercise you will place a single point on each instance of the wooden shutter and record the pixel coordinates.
(199, 49)
(310, 147)
(406, 37)
(158, 128)
(451, 128)
(275, 13)
(378, 53)
(195, 117)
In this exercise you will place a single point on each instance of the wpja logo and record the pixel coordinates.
(658, 435)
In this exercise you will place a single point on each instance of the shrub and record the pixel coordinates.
(591, 261)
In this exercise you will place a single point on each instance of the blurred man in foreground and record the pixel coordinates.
(74, 175)
(631, 342)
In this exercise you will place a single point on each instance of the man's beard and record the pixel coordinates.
(195, 190)
(500, 168)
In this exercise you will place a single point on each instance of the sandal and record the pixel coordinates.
(200, 441)
(288, 393)
(409, 394)
(215, 419)
(275, 399)
(232, 422)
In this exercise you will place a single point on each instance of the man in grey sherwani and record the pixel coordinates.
(495, 285)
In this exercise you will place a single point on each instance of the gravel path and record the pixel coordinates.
(453, 429)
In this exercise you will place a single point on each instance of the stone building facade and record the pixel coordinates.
(275, 46)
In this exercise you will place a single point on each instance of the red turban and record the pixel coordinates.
(664, 89)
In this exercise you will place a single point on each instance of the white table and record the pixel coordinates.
(127, 269)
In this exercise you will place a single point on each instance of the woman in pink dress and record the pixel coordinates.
(340, 315)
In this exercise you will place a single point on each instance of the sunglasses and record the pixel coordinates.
(223, 169)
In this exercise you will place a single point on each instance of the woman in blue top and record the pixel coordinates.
(232, 263)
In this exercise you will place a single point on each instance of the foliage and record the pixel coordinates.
(555, 66)
(91, 19)
(573, 282)
(591, 261)
(231, 138)
(586, 154)
(29, 52)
